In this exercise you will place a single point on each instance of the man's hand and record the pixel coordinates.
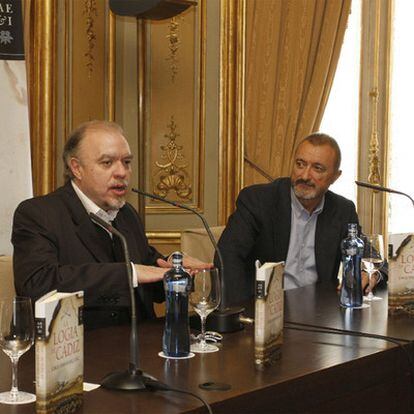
(149, 274)
(189, 262)
(195, 264)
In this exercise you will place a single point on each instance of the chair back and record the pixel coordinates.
(6, 278)
(196, 243)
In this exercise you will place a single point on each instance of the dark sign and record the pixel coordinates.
(150, 9)
(11, 30)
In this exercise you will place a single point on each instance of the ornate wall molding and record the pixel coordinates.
(232, 96)
(174, 46)
(172, 81)
(172, 172)
(43, 80)
(373, 118)
(90, 12)
(89, 45)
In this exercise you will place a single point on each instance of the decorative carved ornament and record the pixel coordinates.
(90, 11)
(172, 174)
(374, 175)
(173, 45)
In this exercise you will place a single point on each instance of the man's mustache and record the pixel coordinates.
(309, 183)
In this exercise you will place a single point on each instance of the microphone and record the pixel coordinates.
(223, 319)
(381, 188)
(133, 378)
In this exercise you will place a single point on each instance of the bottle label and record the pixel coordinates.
(351, 251)
(177, 286)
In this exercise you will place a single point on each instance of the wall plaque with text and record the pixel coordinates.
(11, 30)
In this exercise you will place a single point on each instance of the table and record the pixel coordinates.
(317, 372)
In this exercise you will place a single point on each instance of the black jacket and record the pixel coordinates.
(57, 246)
(260, 229)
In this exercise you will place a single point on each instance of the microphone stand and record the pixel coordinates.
(224, 319)
(133, 378)
(380, 188)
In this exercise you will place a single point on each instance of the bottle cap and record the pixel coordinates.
(177, 258)
(352, 228)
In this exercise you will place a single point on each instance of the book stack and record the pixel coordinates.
(268, 313)
(401, 276)
(59, 352)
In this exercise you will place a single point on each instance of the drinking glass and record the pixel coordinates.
(373, 259)
(16, 337)
(205, 297)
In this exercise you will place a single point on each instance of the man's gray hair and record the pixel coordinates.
(319, 138)
(74, 140)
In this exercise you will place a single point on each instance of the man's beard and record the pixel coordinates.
(308, 193)
(116, 204)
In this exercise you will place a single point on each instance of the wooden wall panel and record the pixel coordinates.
(174, 109)
(90, 62)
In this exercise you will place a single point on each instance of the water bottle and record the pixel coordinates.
(352, 251)
(177, 285)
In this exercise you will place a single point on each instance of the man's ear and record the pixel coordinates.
(336, 176)
(75, 167)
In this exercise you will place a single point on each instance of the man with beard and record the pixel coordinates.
(295, 220)
(58, 246)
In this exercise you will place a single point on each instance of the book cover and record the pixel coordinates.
(268, 333)
(401, 277)
(59, 352)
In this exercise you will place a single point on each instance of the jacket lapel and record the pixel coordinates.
(122, 224)
(282, 218)
(85, 228)
(327, 235)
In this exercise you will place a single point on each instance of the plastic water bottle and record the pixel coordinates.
(177, 285)
(352, 251)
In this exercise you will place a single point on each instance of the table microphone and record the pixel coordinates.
(224, 319)
(384, 189)
(133, 378)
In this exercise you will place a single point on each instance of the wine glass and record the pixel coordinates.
(373, 259)
(16, 337)
(205, 297)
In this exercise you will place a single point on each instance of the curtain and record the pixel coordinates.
(292, 50)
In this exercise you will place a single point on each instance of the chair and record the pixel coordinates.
(196, 243)
(6, 278)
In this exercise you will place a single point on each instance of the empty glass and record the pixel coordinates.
(16, 337)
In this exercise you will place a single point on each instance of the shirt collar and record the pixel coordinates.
(298, 208)
(91, 207)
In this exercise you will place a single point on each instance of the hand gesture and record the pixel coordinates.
(149, 274)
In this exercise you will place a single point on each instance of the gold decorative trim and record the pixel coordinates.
(374, 176)
(90, 11)
(163, 237)
(172, 174)
(142, 58)
(43, 112)
(111, 65)
(386, 141)
(67, 127)
(232, 104)
(173, 46)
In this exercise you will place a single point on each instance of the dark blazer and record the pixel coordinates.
(57, 246)
(260, 229)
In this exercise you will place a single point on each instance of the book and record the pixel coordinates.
(59, 352)
(401, 276)
(268, 334)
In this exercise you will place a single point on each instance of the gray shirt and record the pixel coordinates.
(300, 266)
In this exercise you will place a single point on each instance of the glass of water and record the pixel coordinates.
(373, 259)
